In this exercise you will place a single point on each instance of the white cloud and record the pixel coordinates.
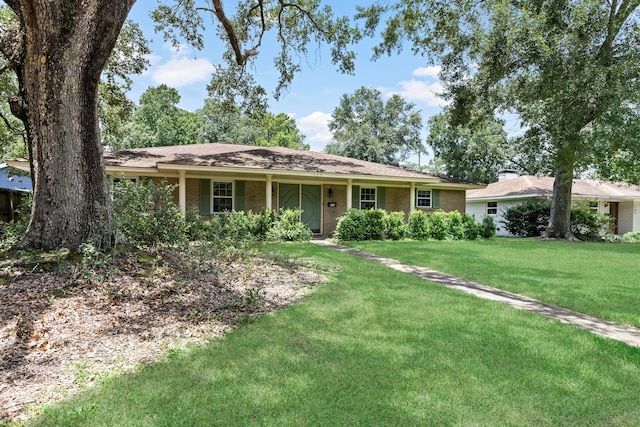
(179, 69)
(416, 90)
(431, 71)
(315, 127)
(424, 89)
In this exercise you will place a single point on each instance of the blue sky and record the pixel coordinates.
(315, 92)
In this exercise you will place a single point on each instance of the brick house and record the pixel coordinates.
(224, 177)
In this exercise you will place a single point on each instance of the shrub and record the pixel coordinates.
(12, 232)
(146, 215)
(438, 225)
(418, 225)
(454, 225)
(588, 225)
(351, 226)
(375, 224)
(287, 226)
(528, 219)
(396, 229)
(487, 228)
(471, 229)
(632, 237)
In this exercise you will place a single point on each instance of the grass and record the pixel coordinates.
(600, 279)
(377, 347)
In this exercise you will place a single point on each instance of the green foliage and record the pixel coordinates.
(418, 225)
(366, 127)
(588, 225)
(474, 151)
(376, 224)
(631, 237)
(227, 122)
(358, 224)
(527, 219)
(487, 228)
(11, 232)
(396, 228)
(239, 228)
(146, 215)
(351, 226)
(288, 227)
(158, 121)
(566, 69)
(530, 219)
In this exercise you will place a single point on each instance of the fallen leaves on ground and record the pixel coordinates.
(64, 326)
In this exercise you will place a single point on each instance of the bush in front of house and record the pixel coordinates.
(358, 224)
(395, 228)
(631, 237)
(146, 215)
(527, 219)
(530, 219)
(287, 226)
(487, 228)
(439, 225)
(587, 225)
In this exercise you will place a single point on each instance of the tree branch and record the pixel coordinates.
(241, 58)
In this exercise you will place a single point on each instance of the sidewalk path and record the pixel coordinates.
(625, 334)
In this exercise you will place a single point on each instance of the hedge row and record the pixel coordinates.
(377, 224)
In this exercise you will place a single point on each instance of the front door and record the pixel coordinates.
(304, 197)
(613, 213)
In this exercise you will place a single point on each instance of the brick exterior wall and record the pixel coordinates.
(330, 215)
(453, 200)
(254, 192)
(397, 199)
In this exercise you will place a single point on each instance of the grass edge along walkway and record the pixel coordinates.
(626, 334)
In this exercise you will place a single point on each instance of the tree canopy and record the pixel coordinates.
(366, 127)
(567, 68)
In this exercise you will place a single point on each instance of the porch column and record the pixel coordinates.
(182, 191)
(412, 197)
(268, 193)
(349, 193)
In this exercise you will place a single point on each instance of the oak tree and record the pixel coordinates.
(59, 48)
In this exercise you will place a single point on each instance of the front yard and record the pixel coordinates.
(600, 279)
(379, 347)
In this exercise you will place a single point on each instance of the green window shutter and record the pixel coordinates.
(205, 196)
(355, 196)
(381, 196)
(435, 199)
(239, 196)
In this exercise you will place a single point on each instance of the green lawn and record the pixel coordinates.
(378, 347)
(601, 279)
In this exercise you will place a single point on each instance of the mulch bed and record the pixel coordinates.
(64, 326)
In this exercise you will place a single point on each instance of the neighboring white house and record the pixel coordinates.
(618, 200)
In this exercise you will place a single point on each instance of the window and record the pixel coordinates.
(423, 198)
(593, 207)
(492, 208)
(222, 196)
(367, 198)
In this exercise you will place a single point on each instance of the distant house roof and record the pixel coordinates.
(533, 186)
(263, 159)
(13, 182)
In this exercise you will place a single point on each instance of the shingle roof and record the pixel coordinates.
(262, 158)
(543, 186)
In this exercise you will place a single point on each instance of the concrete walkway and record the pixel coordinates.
(625, 334)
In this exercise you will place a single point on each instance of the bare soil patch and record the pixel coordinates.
(64, 326)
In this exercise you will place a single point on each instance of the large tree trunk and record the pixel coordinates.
(65, 46)
(560, 216)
